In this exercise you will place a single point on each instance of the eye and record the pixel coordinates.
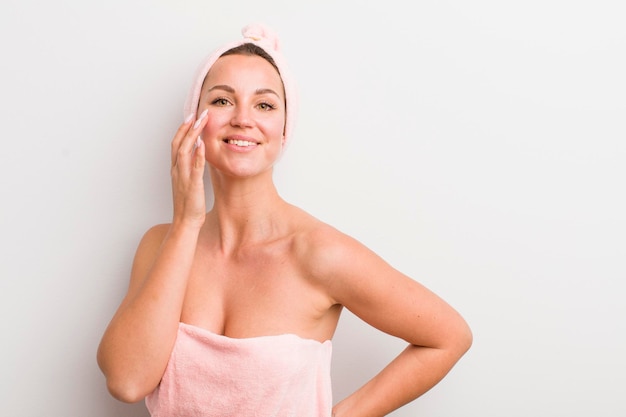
(266, 106)
(220, 101)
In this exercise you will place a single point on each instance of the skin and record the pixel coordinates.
(238, 268)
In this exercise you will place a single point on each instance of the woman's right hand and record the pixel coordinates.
(138, 342)
(187, 173)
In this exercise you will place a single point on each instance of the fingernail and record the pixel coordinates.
(189, 118)
(202, 116)
(198, 142)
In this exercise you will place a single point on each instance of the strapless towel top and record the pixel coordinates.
(210, 375)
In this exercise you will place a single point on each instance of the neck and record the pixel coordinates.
(245, 210)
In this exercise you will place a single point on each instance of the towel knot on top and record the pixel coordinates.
(258, 32)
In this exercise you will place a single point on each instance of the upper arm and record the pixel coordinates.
(382, 296)
(146, 253)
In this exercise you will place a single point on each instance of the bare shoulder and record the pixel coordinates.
(325, 252)
(150, 243)
(147, 251)
(153, 237)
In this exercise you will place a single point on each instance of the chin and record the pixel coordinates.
(243, 171)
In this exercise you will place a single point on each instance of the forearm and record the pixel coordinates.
(137, 343)
(416, 370)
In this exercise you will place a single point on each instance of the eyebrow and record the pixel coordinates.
(229, 89)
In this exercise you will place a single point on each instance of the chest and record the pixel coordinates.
(261, 291)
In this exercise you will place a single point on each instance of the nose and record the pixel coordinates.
(241, 117)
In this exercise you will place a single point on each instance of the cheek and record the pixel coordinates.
(213, 122)
(274, 127)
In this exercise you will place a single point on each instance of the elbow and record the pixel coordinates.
(463, 338)
(467, 340)
(125, 391)
(121, 385)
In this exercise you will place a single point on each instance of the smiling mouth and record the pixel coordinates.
(240, 142)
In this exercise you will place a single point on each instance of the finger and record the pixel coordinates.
(199, 161)
(179, 136)
(188, 143)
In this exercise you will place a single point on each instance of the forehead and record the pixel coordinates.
(244, 71)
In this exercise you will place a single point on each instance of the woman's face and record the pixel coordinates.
(245, 99)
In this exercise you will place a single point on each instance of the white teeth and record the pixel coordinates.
(240, 142)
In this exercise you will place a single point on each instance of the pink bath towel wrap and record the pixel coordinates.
(210, 375)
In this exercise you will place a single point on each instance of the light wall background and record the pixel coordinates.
(479, 147)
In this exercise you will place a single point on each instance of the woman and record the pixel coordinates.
(231, 311)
